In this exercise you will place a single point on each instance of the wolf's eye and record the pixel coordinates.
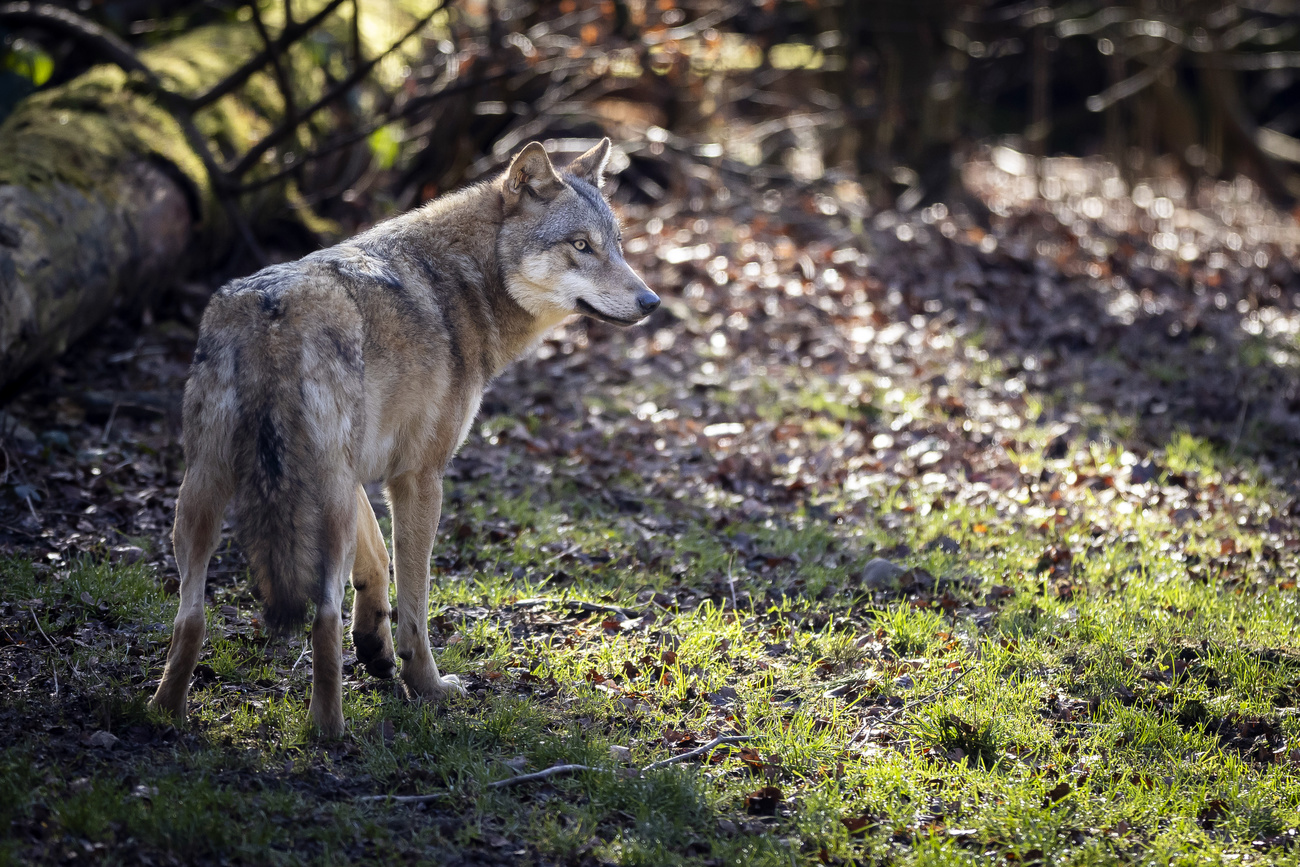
(581, 245)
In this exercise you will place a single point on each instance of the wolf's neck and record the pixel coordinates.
(519, 330)
(454, 240)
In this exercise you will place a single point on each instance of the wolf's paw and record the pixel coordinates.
(451, 685)
(170, 702)
(331, 727)
(375, 653)
(432, 687)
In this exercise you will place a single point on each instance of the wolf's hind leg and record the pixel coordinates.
(199, 510)
(340, 543)
(417, 505)
(372, 633)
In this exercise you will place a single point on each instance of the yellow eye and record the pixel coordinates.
(581, 246)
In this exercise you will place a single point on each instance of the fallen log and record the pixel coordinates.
(110, 184)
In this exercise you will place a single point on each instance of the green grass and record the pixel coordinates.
(1098, 678)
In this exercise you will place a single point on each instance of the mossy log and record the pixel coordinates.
(104, 202)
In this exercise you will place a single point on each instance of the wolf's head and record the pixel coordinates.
(560, 245)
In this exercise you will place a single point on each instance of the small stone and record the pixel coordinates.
(880, 574)
(946, 544)
(16, 432)
(620, 754)
(126, 555)
(102, 740)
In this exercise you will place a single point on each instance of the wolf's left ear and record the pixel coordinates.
(590, 167)
(531, 172)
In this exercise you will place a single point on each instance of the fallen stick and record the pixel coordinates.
(406, 799)
(36, 620)
(559, 770)
(553, 771)
(716, 742)
(889, 717)
(579, 605)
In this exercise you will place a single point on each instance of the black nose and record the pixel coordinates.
(647, 301)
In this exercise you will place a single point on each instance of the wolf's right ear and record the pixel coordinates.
(591, 165)
(531, 173)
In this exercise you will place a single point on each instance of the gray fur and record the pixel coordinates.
(367, 361)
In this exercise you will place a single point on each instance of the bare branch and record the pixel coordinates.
(1133, 84)
(249, 159)
(291, 33)
(352, 138)
(281, 76)
(406, 799)
(109, 45)
(356, 31)
(562, 770)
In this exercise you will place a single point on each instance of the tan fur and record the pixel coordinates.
(367, 361)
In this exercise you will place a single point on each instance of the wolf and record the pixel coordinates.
(367, 361)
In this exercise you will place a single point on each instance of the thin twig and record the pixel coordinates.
(553, 771)
(281, 76)
(108, 425)
(1134, 83)
(406, 799)
(578, 605)
(356, 31)
(889, 717)
(39, 628)
(254, 154)
(109, 45)
(560, 770)
(716, 742)
(731, 580)
(408, 108)
(288, 36)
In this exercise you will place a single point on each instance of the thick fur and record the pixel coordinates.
(367, 361)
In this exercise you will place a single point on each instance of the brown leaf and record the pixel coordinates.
(1060, 791)
(764, 801)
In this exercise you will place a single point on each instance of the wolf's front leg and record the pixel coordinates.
(417, 505)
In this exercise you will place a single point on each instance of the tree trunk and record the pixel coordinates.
(68, 256)
(104, 201)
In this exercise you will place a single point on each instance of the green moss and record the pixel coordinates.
(83, 132)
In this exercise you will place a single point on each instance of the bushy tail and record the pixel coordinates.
(277, 393)
(279, 511)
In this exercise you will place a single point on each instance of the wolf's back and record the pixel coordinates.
(276, 396)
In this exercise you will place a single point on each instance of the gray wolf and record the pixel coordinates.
(366, 361)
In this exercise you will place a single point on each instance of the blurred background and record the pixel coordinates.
(707, 99)
(1087, 206)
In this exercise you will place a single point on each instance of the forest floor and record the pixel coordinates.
(974, 542)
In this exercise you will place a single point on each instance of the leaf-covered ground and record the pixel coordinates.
(978, 542)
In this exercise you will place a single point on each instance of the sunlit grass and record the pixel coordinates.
(1065, 682)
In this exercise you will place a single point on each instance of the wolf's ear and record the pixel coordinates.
(531, 173)
(590, 167)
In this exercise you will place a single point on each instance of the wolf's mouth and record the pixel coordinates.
(587, 310)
